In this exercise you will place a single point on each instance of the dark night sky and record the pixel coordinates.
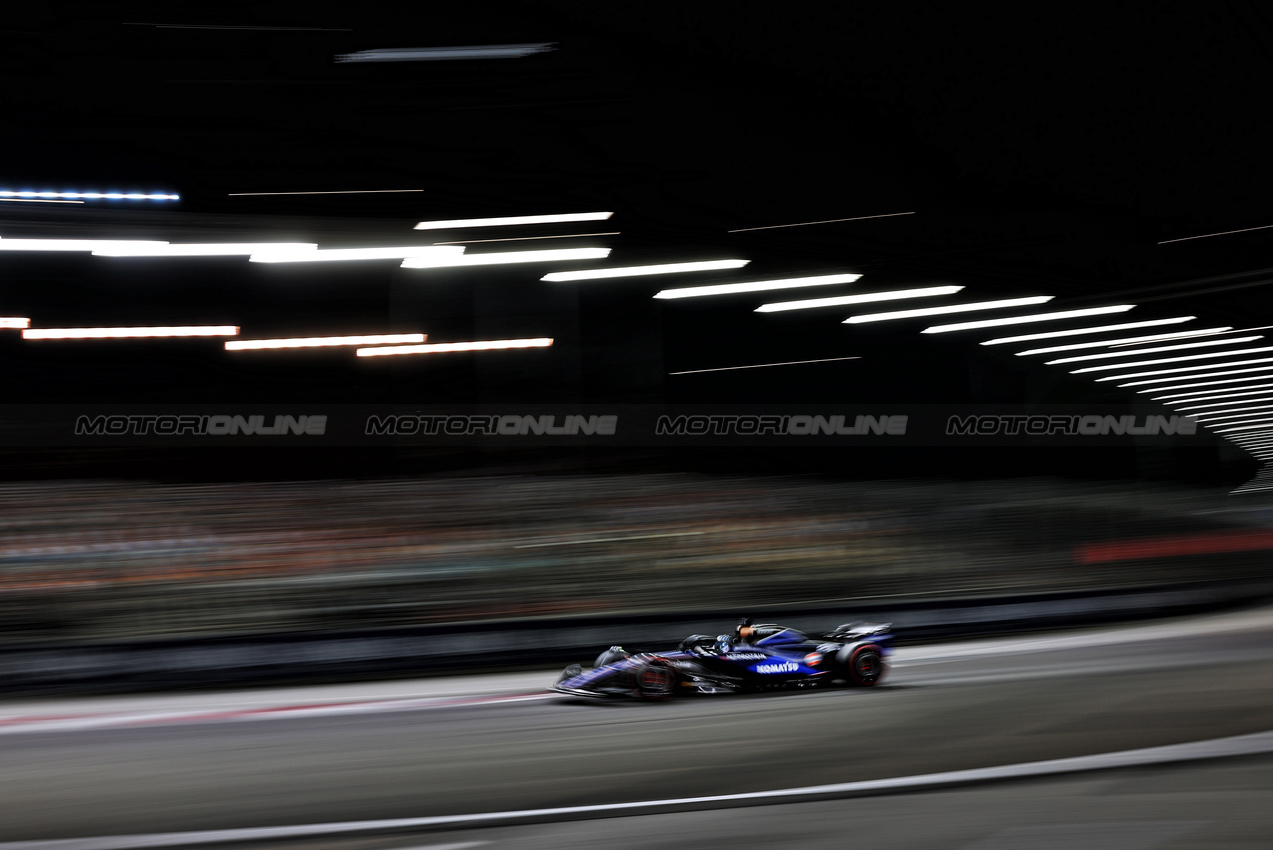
(1043, 150)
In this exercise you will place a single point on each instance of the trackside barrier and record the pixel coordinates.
(290, 657)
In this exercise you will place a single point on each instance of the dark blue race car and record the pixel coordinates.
(755, 658)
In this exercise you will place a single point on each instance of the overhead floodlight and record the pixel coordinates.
(1252, 425)
(1211, 384)
(1176, 377)
(1209, 331)
(765, 365)
(530, 238)
(823, 221)
(952, 308)
(447, 54)
(512, 221)
(1162, 360)
(1207, 395)
(1136, 352)
(505, 257)
(447, 347)
(340, 254)
(210, 249)
(93, 196)
(129, 333)
(14, 322)
(756, 286)
(1114, 343)
(1024, 320)
(1220, 400)
(863, 298)
(641, 271)
(1209, 235)
(1217, 406)
(77, 244)
(1229, 413)
(322, 341)
(1081, 331)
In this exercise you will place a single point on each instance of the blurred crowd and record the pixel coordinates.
(113, 560)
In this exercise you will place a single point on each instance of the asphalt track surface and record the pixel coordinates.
(944, 708)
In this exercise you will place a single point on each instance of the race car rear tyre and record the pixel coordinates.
(656, 680)
(865, 666)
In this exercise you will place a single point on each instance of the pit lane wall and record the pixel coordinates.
(224, 661)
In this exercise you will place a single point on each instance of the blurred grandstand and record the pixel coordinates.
(104, 561)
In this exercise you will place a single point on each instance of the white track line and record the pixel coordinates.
(9, 726)
(1240, 745)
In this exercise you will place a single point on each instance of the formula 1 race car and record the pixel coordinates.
(761, 657)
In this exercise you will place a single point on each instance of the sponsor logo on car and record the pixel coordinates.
(746, 656)
(778, 667)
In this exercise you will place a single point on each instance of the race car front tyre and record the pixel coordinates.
(864, 665)
(656, 680)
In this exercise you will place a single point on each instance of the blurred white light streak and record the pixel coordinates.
(527, 238)
(953, 308)
(756, 286)
(641, 271)
(128, 333)
(1229, 413)
(1260, 395)
(513, 220)
(343, 254)
(763, 365)
(824, 221)
(862, 298)
(322, 341)
(1127, 326)
(1117, 343)
(1210, 332)
(446, 347)
(1221, 233)
(1163, 360)
(1211, 384)
(92, 196)
(447, 54)
(1136, 352)
(1256, 440)
(14, 322)
(210, 249)
(1190, 369)
(36, 201)
(1208, 395)
(1024, 320)
(506, 257)
(337, 192)
(76, 244)
(1252, 425)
